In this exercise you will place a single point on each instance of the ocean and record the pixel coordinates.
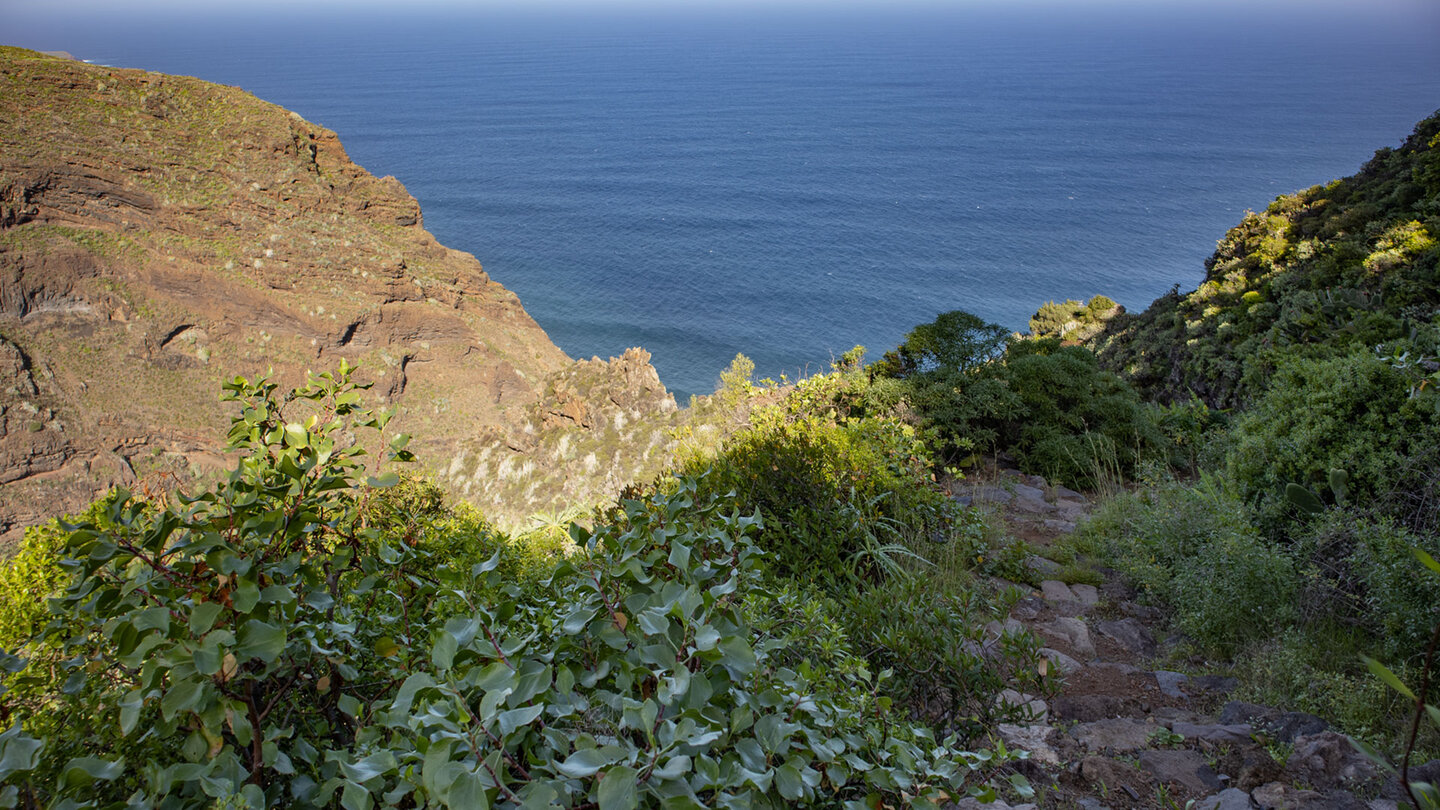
(788, 183)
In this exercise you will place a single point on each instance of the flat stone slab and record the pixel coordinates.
(1088, 595)
(1053, 590)
(1286, 726)
(1185, 768)
(1238, 733)
(1060, 660)
(1113, 669)
(1039, 711)
(1027, 608)
(1120, 734)
(1219, 684)
(1279, 796)
(993, 495)
(1033, 738)
(1011, 627)
(1029, 493)
(1130, 634)
(1089, 708)
(1034, 506)
(1068, 494)
(1042, 566)
(1227, 799)
(1170, 683)
(1073, 632)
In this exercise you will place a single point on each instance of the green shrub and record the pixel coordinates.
(1194, 551)
(29, 578)
(955, 341)
(948, 672)
(271, 643)
(1362, 572)
(1318, 669)
(840, 501)
(1075, 420)
(1352, 413)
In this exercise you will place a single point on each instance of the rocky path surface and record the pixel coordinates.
(1124, 731)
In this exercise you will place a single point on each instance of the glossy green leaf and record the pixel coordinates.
(245, 596)
(585, 762)
(155, 618)
(384, 481)
(184, 696)
(515, 718)
(83, 771)
(788, 783)
(617, 789)
(260, 640)
(18, 752)
(442, 654)
(1427, 560)
(355, 797)
(467, 792)
(203, 615)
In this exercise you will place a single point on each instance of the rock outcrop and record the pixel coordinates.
(159, 234)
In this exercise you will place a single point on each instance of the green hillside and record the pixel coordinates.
(1354, 262)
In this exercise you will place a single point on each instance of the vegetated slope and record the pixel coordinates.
(160, 233)
(1351, 263)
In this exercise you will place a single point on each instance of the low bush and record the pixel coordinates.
(949, 668)
(1049, 405)
(290, 638)
(841, 500)
(1355, 413)
(1318, 669)
(1076, 421)
(1193, 551)
(1361, 572)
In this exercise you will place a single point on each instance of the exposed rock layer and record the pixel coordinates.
(159, 234)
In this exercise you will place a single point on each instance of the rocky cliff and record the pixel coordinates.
(159, 234)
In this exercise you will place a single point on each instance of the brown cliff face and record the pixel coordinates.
(160, 234)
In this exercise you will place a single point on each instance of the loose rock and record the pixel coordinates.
(1073, 632)
(1170, 683)
(1185, 768)
(1130, 634)
(1088, 595)
(1121, 734)
(1228, 799)
(1032, 738)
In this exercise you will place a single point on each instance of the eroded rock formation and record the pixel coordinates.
(159, 234)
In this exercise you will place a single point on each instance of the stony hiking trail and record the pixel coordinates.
(1123, 731)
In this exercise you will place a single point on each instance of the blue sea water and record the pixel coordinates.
(789, 183)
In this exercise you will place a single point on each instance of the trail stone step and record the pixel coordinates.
(1063, 662)
(1286, 726)
(1170, 683)
(1039, 711)
(1073, 632)
(1280, 796)
(1053, 590)
(1033, 738)
(1088, 595)
(1041, 566)
(1227, 799)
(1130, 634)
(1182, 767)
(1238, 734)
(1121, 734)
